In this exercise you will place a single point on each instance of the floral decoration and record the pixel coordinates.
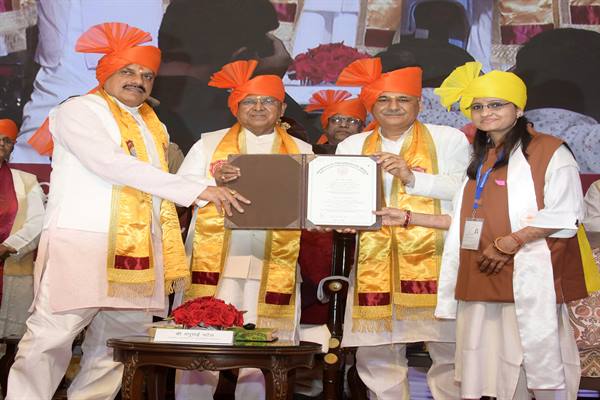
(323, 64)
(208, 312)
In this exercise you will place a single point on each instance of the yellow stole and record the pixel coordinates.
(276, 303)
(396, 266)
(130, 262)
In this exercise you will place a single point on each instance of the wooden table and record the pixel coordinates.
(141, 356)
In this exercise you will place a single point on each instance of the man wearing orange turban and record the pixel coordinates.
(229, 264)
(341, 116)
(393, 292)
(111, 246)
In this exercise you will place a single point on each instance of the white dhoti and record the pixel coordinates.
(381, 356)
(242, 271)
(243, 294)
(489, 356)
(384, 370)
(45, 351)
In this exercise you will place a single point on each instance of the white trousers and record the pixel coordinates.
(190, 385)
(45, 351)
(384, 370)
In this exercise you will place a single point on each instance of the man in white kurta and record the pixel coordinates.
(89, 164)
(394, 100)
(257, 104)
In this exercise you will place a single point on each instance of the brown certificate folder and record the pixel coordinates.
(277, 186)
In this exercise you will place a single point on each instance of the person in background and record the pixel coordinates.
(585, 313)
(21, 217)
(341, 116)
(591, 220)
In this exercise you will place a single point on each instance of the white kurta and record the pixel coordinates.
(453, 156)
(25, 238)
(592, 208)
(17, 289)
(70, 270)
(87, 161)
(542, 336)
(242, 271)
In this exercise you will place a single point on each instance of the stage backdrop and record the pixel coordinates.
(322, 37)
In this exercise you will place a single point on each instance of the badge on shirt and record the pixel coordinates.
(472, 234)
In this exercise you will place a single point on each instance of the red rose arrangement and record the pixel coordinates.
(207, 312)
(323, 64)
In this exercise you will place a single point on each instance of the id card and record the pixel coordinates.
(472, 234)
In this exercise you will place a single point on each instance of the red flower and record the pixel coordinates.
(208, 311)
(324, 63)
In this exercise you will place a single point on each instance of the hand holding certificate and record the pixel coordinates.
(307, 191)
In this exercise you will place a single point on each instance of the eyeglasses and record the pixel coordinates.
(496, 105)
(265, 101)
(347, 120)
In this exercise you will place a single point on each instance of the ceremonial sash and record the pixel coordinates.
(130, 262)
(276, 303)
(399, 267)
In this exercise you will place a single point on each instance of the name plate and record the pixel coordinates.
(203, 336)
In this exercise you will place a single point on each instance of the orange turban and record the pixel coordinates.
(8, 128)
(367, 72)
(236, 76)
(121, 45)
(334, 102)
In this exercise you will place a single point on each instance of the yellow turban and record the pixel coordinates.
(465, 84)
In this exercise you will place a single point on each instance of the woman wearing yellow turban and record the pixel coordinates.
(511, 259)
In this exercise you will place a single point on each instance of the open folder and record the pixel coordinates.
(305, 191)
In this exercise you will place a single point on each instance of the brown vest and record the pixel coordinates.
(472, 285)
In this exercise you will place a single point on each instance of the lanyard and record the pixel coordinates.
(482, 180)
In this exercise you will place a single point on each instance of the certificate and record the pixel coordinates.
(300, 191)
(342, 191)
